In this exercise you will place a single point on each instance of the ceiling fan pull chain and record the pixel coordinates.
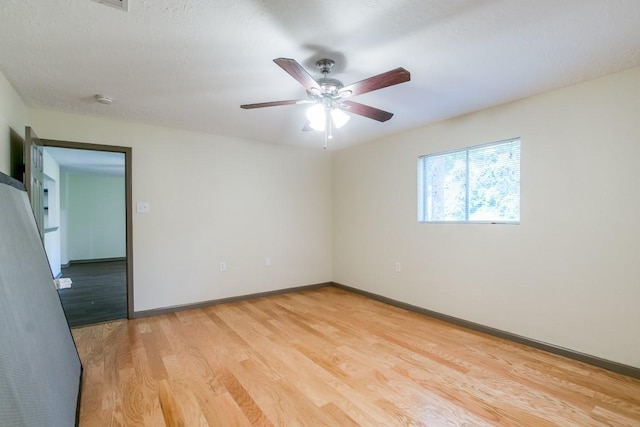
(327, 126)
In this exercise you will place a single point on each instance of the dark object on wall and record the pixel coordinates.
(16, 155)
(40, 371)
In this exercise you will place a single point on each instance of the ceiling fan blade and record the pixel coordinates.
(273, 104)
(296, 71)
(390, 78)
(367, 111)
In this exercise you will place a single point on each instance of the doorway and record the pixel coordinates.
(94, 229)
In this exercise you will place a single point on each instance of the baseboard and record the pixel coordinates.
(86, 261)
(619, 368)
(203, 304)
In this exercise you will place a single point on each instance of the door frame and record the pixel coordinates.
(128, 201)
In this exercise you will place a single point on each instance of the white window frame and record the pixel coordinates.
(422, 199)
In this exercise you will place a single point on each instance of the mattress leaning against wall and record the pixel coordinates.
(40, 371)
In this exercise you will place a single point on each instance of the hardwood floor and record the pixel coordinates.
(327, 357)
(98, 292)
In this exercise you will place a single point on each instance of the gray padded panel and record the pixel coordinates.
(39, 364)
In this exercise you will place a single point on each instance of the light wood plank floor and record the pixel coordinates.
(327, 357)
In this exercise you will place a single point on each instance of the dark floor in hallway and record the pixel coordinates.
(98, 292)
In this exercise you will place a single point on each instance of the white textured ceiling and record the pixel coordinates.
(191, 63)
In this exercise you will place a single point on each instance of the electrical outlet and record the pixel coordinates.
(143, 207)
(223, 266)
(267, 261)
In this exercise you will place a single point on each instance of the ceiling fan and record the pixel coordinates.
(330, 98)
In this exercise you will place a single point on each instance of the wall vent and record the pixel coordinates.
(118, 4)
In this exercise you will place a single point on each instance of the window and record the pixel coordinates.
(478, 184)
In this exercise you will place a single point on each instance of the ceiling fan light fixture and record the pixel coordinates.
(315, 114)
(317, 118)
(339, 117)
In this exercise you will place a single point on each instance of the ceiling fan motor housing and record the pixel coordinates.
(329, 86)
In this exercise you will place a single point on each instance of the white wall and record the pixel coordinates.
(13, 115)
(568, 275)
(63, 219)
(96, 216)
(215, 198)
